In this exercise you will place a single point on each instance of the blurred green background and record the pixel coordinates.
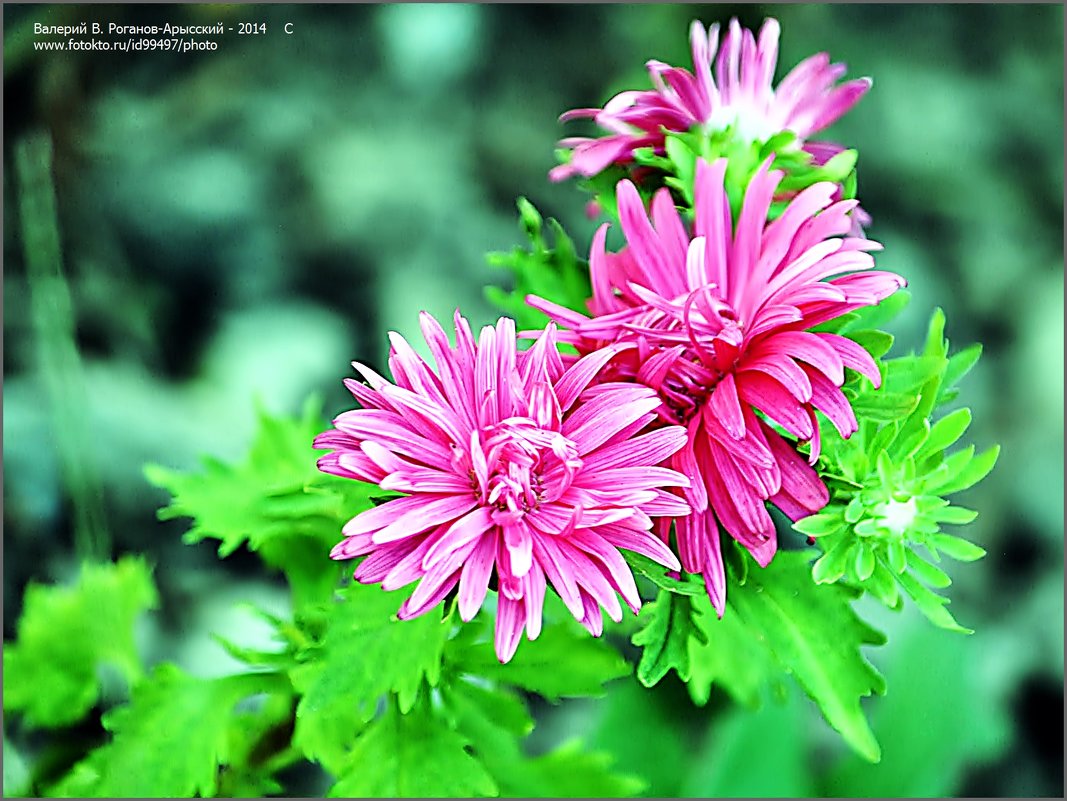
(240, 224)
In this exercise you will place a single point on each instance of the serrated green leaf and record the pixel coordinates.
(731, 656)
(930, 604)
(658, 575)
(168, 742)
(668, 623)
(959, 549)
(66, 634)
(412, 756)
(365, 653)
(276, 502)
(815, 635)
(572, 772)
(563, 662)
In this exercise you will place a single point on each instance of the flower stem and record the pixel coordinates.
(57, 354)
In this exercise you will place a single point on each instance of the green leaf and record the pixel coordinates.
(552, 271)
(884, 407)
(493, 720)
(816, 636)
(826, 523)
(931, 604)
(863, 563)
(909, 374)
(276, 502)
(66, 634)
(878, 317)
(974, 471)
(932, 575)
(877, 343)
(661, 755)
(929, 755)
(831, 565)
(722, 766)
(959, 549)
(669, 622)
(959, 364)
(658, 575)
(257, 745)
(563, 662)
(169, 741)
(946, 431)
(730, 655)
(412, 756)
(365, 653)
(572, 772)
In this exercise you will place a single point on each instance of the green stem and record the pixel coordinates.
(57, 354)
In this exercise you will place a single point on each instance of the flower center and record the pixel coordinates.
(516, 464)
(714, 338)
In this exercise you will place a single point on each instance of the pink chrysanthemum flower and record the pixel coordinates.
(740, 93)
(511, 467)
(719, 321)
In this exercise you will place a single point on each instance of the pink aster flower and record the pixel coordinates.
(719, 322)
(510, 468)
(739, 93)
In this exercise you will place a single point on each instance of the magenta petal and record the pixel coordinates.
(423, 515)
(474, 577)
(727, 406)
(799, 481)
(510, 621)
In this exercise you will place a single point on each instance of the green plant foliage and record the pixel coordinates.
(731, 657)
(276, 502)
(552, 271)
(723, 763)
(662, 754)
(168, 742)
(66, 634)
(815, 636)
(940, 720)
(669, 623)
(494, 720)
(563, 662)
(676, 167)
(364, 654)
(412, 755)
(890, 478)
(686, 584)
